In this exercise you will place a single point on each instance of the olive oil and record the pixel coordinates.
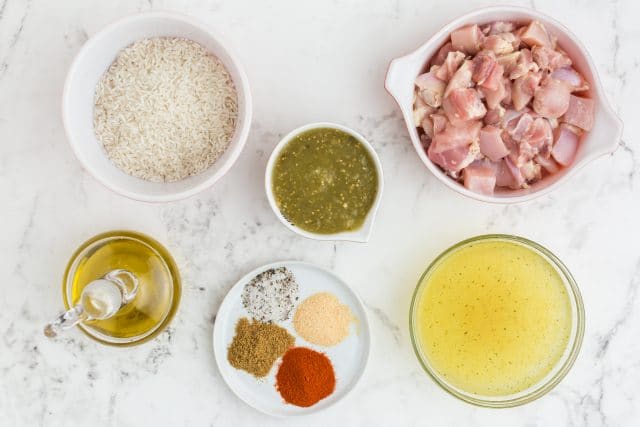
(494, 318)
(158, 290)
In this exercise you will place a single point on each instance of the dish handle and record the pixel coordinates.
(606, 133)
(400, 76)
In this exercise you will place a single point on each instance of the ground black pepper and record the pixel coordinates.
(271, 295)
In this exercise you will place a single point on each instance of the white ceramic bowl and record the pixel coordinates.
(91, 63)
(363, 233)
(602, 139)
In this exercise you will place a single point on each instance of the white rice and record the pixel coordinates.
(165, 109)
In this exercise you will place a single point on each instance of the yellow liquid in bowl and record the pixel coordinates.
(493, 318)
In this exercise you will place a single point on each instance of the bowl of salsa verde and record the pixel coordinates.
(324, 181)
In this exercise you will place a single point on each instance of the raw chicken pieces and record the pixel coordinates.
(501, 106)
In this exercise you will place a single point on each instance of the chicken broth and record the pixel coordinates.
(325, 181)
(494, 318)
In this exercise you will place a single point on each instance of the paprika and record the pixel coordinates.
(305, 377)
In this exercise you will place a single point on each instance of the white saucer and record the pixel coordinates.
(349, 358)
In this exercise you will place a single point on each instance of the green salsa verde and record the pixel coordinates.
(325, 181)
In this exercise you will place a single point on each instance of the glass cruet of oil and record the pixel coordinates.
(101, 299)
(120, 288)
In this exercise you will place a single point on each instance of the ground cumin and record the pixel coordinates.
(305, 377)
(257, 345)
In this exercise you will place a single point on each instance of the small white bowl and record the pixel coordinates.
(602, 139)
(95, 57)
(363, 233)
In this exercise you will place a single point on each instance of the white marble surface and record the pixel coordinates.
(307, 61)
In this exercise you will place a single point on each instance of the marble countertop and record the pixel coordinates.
(307, 61)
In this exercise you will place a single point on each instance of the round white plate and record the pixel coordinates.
(349, 358)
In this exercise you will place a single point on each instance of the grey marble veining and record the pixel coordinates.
(306, 62)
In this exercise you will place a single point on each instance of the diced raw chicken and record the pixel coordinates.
(442, 54)
(467, 39)
(552, 98)
(508, 61)
(509, 142)
(530, 171)
(523, 89)
(494, 116)
(450, 65)
(473, 155)
(549, 59)
(504, 178)
(499, 27)
(456, 136)
(525, 153)
(420, 110)
(491, 144)
(540, 134)
(496, 108)
(439, 123)
(483, 64)
(510, 115)
(571, 77)
(501, 44)
(508, 95)
(431, 89)
(463, 105)
(565, 145)
(453, 160)
(524, 65)
(520, 131)
(494, 80)
(517, 180)
(448, 160)
(418, 116)
(493, 98)
(485, 162)
(548, 164)
(536, 34)
(520, 152)
(427, 127)
(545, 150)
(424, 80)
(480, 179)
(529, 137)
(461, 79)
(580, 112)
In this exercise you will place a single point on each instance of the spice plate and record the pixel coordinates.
(349, 357)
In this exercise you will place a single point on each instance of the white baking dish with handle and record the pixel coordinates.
(602, 139)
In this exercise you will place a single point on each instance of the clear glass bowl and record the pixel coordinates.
(158, 295)
(556, 374)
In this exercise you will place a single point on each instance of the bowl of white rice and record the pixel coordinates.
(156, 107)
